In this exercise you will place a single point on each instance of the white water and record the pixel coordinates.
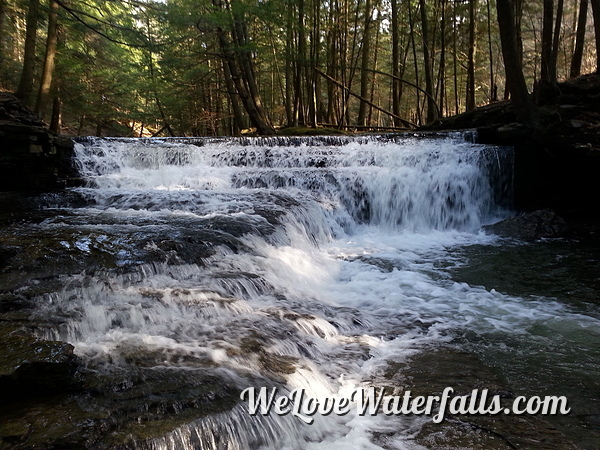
(336, 270)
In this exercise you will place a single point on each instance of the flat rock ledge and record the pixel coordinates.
(531, 226)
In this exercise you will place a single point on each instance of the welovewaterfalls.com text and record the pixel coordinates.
(373, 401)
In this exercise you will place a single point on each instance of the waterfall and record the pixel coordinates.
(290, 262)
(414, 183)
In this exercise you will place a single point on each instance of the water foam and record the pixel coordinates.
(324, 265)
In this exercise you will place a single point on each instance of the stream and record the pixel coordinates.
(187, 270)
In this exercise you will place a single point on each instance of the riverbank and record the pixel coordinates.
(556, 168)
(32, 158)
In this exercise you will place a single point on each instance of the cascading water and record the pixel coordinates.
(297, 263)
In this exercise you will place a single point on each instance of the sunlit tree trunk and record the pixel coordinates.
(431, 111)
(237, 56)
(292, 120)
(233, 99)
(3, 14)
(312, 62)
(455, 62)
(556, 42)
(365, 63)
(471, 55)
(396, 83)
(596, 14)
(413, 45)
(442, 70)
(493, 87)
(48, 70)
(579, 40)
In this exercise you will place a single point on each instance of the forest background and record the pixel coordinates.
(225, 67)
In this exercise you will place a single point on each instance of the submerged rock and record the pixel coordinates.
(531, 226)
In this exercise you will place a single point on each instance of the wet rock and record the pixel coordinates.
(115, 408)
(31, 157)
(429, 373)
(531, 226)
(512, 131)
(29, 365)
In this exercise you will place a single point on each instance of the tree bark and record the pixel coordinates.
(411, 21)
(515, 79)
(56, 118)
(311, 75)
(579, 40)
(26, 82)
(48, 70)
(556, 42)
(596, 15)
(3, 13)
(366, 58)
(546, 53)
(455, 61)
(233, 98)
(300, 63)
(442, 70)
(289, 91)
(493, 88)
(241, 68)
(396, 84)
(471, 55)
(431, 112)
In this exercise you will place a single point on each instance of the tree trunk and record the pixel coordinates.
(556, 42)
(300, 64)
(455, 61)
(366, 57)
(431, 112)
(517, 10)
(56, 118)
(512, 64)
(493, 87)
(48, 70)
(415, 60)
(546, 53)
(26, 83)
(442, 71)
(241, 68)
(579, 40)
(373, 79)
(471, 56)
(396, 84)
(332, 55)
(233, 98)
(289, 91)
(3, 13)
(311, 63)
(596, 15)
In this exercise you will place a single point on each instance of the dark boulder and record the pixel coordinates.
(33, 366)
(530, 226)
(31, 157)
